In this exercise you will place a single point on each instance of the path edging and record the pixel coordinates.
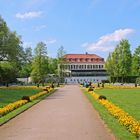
(26, 108)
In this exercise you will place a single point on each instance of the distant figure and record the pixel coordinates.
(52, 86)
(58, 84)
(98, 84)
(102, 85)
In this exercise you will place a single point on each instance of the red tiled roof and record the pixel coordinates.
(72, 56)
(85, 62)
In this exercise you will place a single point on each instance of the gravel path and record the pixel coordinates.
(64, 115)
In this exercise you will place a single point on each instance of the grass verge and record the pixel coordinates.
(11, 95)
(116, 128)
(21, 109)
(127, 99)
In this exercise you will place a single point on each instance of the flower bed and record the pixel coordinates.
(123, 117)
(113, 86)
(6, 109)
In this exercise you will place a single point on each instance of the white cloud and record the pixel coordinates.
(51, 41)
(107, 42)
(38, 28)
(29, 15)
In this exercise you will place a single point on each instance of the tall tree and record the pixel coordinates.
(26, 68)
(136, 62)
(40, 63)
(10, 44)
(119, 62)
(125, 59)
(60, 56)
(109, 65)
(7, 73)
(53, 65)
(11, 52)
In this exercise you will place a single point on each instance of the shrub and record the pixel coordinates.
(102, 97)
(26, 98)
(45, 89)
(91, 89)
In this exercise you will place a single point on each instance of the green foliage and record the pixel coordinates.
(10, 44)
(11, 54)
(119, 62)
(40, 64)
(8, 73)
(125, 58)
(138, 80)
(60, 55)
(136, 62)
(53, 62)
(26, 66)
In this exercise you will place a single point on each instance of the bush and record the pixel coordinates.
(91, 89)
(102, 97)
(26, 98)
(45, 89)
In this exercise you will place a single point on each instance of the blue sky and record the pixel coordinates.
(93, 26)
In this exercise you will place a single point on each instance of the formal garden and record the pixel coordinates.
(118, 105)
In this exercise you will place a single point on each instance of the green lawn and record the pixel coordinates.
(11, 95)
(127, 99)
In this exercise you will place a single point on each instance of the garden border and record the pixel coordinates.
(23, 108)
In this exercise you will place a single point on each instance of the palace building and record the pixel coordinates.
(84, 67)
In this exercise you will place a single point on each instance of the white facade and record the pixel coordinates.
(81, 79)
(84, 67)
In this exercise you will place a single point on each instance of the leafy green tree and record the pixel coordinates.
(119, 62)
(125, 59)
(8, 73)
(136, 62)
(3, 38)
(26, 67)
(115, 60)
(60, 56)
(109, 65)
(53, 65)
(11, 52)
(40, 64)
(10, 44)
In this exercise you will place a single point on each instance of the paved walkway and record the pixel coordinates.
(64, 115)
